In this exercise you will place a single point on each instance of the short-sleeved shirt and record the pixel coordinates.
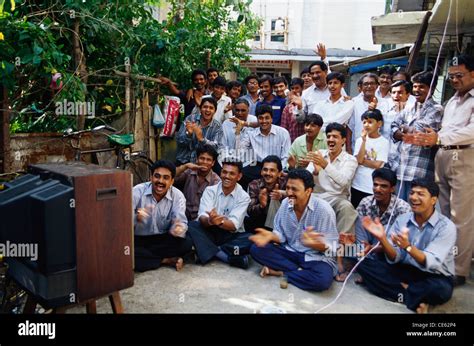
(163, 214)
(299, 150)
(233, 206)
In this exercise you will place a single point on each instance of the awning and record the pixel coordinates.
(397, 56)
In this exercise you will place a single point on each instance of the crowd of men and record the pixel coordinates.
(295, 175)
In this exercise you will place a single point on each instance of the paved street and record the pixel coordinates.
(218, 288)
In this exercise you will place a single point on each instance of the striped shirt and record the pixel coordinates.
(320, 216)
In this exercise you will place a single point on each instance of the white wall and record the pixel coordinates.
(337, 23)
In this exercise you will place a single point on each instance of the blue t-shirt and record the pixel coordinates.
(277, 104)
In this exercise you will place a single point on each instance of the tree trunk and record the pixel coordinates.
(80, 61)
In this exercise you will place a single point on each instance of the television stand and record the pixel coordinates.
(91, 306)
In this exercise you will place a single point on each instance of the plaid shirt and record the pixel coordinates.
(187, 145)
(415, 160)
(368, 207)
(254, 209)
(288, 121)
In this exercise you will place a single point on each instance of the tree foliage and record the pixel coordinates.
(37, 41)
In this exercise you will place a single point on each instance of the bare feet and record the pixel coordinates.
(176, 262)
(269, 272)
(422, 308)
(404, 285)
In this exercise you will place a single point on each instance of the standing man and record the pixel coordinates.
(198, 129)
(223, 102)
(193, 178)
(219, 230)
(385, 81)
(418, 267)
(304, 239)
(454, 162)
(276, 103)
(267, 139)
(251, 83)
(416, 161)
(288, 119)
(160, 223)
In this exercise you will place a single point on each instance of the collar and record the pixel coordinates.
(221, 192)
(470, 93)
(207, 177)
(311, 204)
(328, 100)
(272, 131)
(433, 220)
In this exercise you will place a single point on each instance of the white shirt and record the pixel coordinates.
(339, 111)
(310, 98)
(277, 142)
(233, 206)
(220, 115)
(360, 107)
(376, 149)
(228, 128)
(336, 179)
(457, 126)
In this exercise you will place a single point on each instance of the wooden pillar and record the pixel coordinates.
(5, 164)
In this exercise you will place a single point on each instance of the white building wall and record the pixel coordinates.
(338, 23)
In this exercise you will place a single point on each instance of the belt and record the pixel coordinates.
(456, 147)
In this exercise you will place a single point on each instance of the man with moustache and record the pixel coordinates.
(238, 125)
(251, 83)
(454, 161)
(266, 194)
(367, 101)
(193, 178)
(219, 230)
(419, 262)
(276, 103)
(191, 99)
(304, 239)
(417, 160)
(385, 81)
(160, 223)
(333, 171)
(383, 205)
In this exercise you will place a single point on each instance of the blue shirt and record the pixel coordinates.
(163, 214)
(277, 104)
(321, 216)
(436, 238)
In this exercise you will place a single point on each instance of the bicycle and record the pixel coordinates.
(136, 162)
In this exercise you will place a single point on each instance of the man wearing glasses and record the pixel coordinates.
(454, 161)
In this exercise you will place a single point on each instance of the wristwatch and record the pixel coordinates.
(408, 248)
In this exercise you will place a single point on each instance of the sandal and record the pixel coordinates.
(264, 272)
(341, 276)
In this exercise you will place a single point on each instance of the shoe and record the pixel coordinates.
(239, 261)
(459, 280)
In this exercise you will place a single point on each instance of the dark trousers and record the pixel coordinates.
(250, 173)
(383, 279)
(357, 196)
(250, 223)
(314, 276)
(208, 240)
(151, 250)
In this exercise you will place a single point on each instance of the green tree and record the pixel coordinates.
(41, 38)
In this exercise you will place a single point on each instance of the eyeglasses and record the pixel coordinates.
(366, 84)
(236, 110)
(453, 76)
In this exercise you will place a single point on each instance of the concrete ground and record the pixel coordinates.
(218, 288)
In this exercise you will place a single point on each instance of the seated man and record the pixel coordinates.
(160, 222)
(384, 204)
(334, 170)
(303, 239)
(219, 231)
(419, 262)
(192, 179)
(266, 194)
(313, 140)
(267, 139)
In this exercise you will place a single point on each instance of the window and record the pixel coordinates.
(278, 30)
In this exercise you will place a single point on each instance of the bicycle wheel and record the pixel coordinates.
(139, 166)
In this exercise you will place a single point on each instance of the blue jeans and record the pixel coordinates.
(314, 276)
